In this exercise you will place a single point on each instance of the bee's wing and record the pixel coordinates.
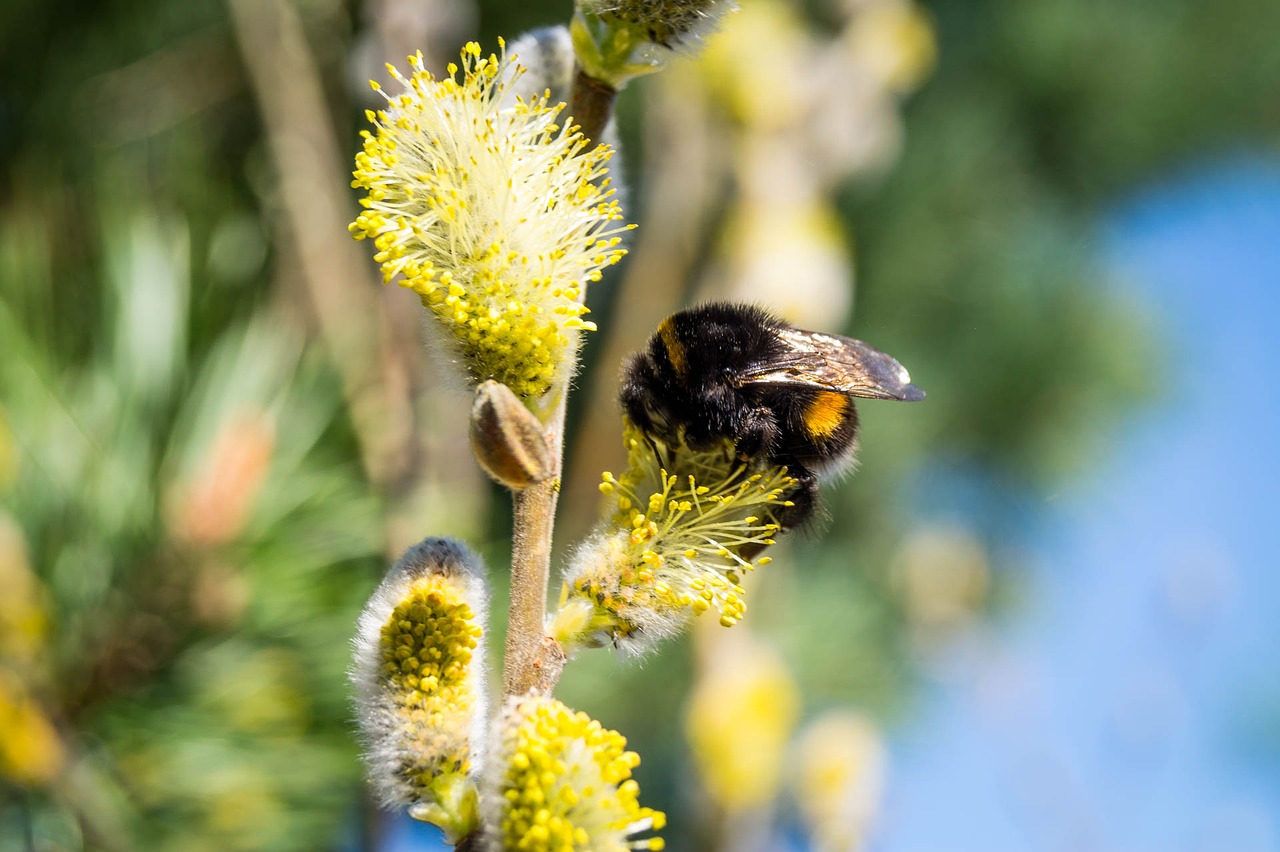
(836, 363)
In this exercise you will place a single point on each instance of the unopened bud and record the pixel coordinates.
(506, 439)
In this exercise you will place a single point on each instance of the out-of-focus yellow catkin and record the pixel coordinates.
(747, 66)
(789, 253)
(942, 575)
(419, 677)
(31, 753)
(741, 712)
(894, 40)
(493, 212)
(563, 784)
(839, 780)
(8, 454)
(672, 544)
(23, 620)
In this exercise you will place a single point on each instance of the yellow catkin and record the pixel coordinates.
(672, 545)
(566, 784)
(495, 213)
(419, 678)
(426, 649)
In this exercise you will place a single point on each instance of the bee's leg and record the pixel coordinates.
(803, 499)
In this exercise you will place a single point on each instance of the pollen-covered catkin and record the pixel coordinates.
(672, 544)
(562, 781)
(495, 212)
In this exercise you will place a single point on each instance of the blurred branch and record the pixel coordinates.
(351, 322)
(163, 88)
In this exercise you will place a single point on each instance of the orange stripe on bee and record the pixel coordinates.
(675, 349)
(824, 415)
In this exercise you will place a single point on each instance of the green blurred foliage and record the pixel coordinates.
(187, 483)
(979, 266)
(178, 456)
(202, 539)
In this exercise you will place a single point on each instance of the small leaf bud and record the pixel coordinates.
(506, 439)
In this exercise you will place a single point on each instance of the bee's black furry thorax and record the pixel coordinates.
(725, 371)
(687, 375)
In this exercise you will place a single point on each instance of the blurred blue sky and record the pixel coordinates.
(1133, 704)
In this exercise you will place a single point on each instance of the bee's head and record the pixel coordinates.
(711, 343)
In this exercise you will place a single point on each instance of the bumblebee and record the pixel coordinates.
(724, 370)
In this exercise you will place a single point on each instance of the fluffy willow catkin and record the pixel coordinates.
(419, 680)
(546, 54)
(496, 212)
(672, 543)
